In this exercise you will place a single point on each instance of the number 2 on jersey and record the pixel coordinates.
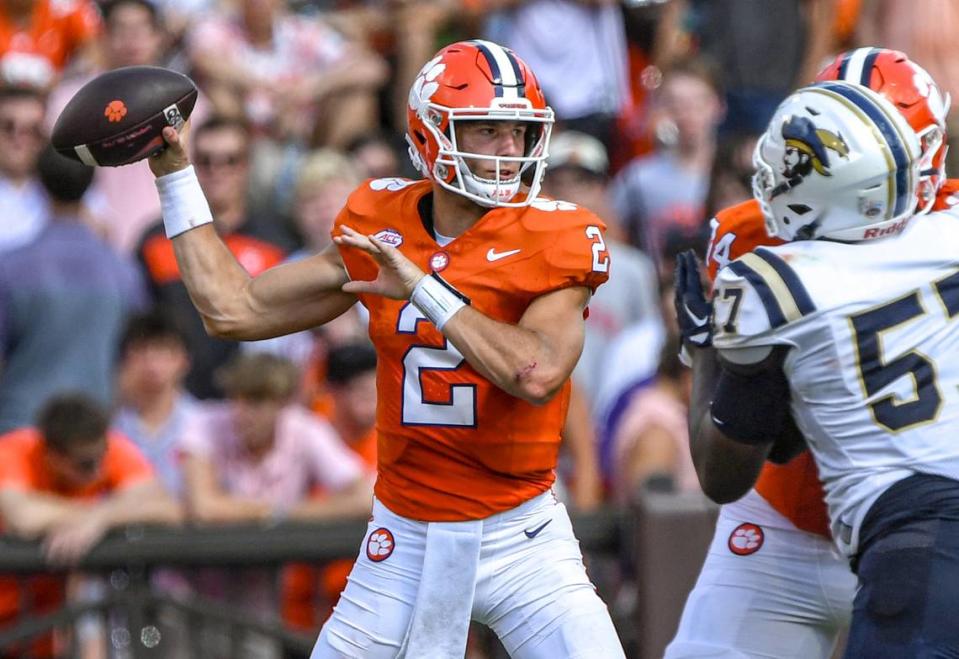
(460, 409)
(599, 249)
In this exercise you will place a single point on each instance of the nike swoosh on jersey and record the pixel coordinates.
(535, 532)
(493, 255)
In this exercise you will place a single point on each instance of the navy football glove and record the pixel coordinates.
(693, 311)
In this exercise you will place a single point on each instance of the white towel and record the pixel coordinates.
(444, 602)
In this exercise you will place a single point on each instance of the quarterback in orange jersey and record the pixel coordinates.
(772, 547)
(477, 291)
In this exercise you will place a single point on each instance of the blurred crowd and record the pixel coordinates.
(107, 377)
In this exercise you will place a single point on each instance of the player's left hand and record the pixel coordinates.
(693, 311)
(398, 275)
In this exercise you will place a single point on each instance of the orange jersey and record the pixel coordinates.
(793, 489)
(55, 31)
(451, 445)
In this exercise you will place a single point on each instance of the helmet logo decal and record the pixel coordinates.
(425, 84)
(807, 148)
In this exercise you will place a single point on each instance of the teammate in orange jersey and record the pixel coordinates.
(772, 550)
(473, 367)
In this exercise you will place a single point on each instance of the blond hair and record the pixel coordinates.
(324, 165)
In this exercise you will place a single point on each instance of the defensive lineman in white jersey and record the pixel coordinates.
(853, 328)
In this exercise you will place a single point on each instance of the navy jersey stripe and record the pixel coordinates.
(773, 312)
(796, 288)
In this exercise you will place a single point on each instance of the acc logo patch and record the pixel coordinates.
(745, 539)
(380, 545)
(391, 237)
(115, 111)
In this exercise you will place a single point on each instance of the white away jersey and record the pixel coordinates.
(874, 360)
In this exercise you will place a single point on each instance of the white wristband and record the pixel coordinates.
(182, 202)
(437, 300)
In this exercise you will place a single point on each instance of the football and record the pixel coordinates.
(118, 117)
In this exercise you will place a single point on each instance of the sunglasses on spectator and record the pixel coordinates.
(212, 160)
(12, 127)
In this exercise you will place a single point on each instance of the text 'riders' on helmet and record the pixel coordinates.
(837, 161)
(470, 81)
(915, 94)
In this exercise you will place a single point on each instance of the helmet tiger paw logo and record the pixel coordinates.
(115, 111)
(380, 545)
(746, 539)
(425, 86)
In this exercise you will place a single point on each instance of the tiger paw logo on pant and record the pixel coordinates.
(380, 545)
(746, 539)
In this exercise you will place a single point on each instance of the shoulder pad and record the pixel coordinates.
(756, 295)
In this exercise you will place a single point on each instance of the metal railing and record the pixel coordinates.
(135, 552)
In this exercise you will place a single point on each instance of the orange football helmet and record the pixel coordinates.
(469, 81)
(915, 94)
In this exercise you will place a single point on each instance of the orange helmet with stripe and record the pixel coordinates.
(915, 94)
(470, 81)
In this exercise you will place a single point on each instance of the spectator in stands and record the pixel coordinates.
(23, 202)
(221, 157)
(294, 76)
(309, 593)
(351, 380)
(256, 456)
(153, 406)
(376, 156)
(762, 60)
(69, 480)
(666, 190)
(64, 299)
(38, 38)
(558, 37)
(123, 200)
(651, 440)
(578, 170)
(326, 179)
(259, 458)
(730, 181)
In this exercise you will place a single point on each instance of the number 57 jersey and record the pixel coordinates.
(873, 332)
(451, 445)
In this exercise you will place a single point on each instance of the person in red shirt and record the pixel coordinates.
(38, 38)
(68, 481)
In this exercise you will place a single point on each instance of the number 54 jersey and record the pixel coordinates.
(451, 445)
(873, 332)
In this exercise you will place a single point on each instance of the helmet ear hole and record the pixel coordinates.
(420, 137)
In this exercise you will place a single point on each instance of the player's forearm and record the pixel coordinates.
(727, 469)
(284, 299)
(517, 360)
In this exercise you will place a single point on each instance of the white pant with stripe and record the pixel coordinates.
(533, 592)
